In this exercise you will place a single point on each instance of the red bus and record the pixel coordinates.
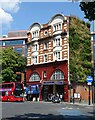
(12, 91)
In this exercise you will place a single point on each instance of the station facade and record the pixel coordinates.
(48, 57)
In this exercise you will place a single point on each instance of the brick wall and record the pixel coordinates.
(83, 90)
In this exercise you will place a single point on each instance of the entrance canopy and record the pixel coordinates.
(58, 82)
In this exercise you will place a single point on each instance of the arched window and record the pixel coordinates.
(34, 77)
(57, 75)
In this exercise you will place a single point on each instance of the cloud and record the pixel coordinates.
(5, 17)
(10, 5)
(7, 7)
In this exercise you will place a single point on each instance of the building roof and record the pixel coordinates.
(13, 35)
(13, 38)
(18, 33)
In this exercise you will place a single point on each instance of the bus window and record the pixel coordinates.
(3, 93)
(18, 89)
(10, 85)
(7, 85)
(18, 86)
(17, 92)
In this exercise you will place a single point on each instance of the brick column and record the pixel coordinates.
(66, 93)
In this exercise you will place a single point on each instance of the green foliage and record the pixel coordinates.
(8, 75)
(80, 50)
(12, 62)
(89, 9)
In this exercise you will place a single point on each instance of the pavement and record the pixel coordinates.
(77, 103)
(81, 104)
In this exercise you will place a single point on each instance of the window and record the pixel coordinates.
(8, 43)
(57, 42)
(35, 34)
(34, 47)
(56, 55)
(34, 77)
(45, 32)
(34, 59)
(18, 86)
(19, 50)
(94, 37)
(46, 58)
(3, 43)
(57, 75)
(58, 26)
(7, 85)
(45, 46)
(0, 43)
(13, 42)
(25, 50)
(45, 75)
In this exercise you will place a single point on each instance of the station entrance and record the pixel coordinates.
(51, 88)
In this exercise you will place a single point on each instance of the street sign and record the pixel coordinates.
(89, 79)
(89, 83)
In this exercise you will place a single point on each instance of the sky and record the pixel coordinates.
(19, 15)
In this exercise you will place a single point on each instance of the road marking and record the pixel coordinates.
(87, 107)
(71, 113)
(36, 117)
(67, 108)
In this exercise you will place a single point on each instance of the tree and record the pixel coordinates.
(12, 62)
(89, 10)
(80, 49)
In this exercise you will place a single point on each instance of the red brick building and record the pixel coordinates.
(48, 56)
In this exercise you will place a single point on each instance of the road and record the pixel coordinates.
(45, 111)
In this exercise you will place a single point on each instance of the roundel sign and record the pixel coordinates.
(89, 79)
